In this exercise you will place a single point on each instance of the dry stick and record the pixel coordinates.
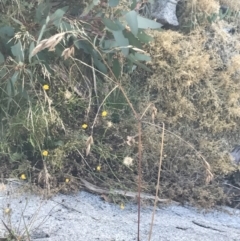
(94, 74)
(139, 172)
(158, 182)
(95, 119)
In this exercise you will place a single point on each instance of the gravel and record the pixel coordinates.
(86, 217)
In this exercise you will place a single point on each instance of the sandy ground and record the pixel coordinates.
(86, 217)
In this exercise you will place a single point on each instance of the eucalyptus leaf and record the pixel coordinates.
(2, 59)
(11, 84)
(41, 33)
(56, 17)
(121, 41)
(142, 57)
(18, 52)
(90, 7)
(133, 5)
(112, 25)
(83, 44)
(132, 58)
(32, 46)
(98, 63)
(132, 20)
(6, 31)
(132, 39)
(143, 37)
(17, 21)
(108, 44)
(24, 93)
(146, 23)
(116, 68)
(67, 27)
(42, 11)
(3, 72)
(113, 3)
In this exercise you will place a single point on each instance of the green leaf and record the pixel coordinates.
(121, 41)
(67, 27)
(2, 59)
(132, 39)
(143, 37)
(146, 23)
(112, 25)
(17, 21)
(116, 68)
(142, 57)
(98, 63)
(23, 93)
(42, 11)
(18, 52)
(56, 17)
(133, 5)
(132, 20)
(59, 143)
(90, 7)
(83, 44)
(113, 3)
(3, 72)
(6, 31)
(11, 84)
(223, 15)
(32, 46)
(134, 60)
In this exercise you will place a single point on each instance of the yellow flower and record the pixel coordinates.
(45, 153)
(46, 87)
(67, 180)
(84, 126)
(98, 168)
(104, 113)
(122, 206)
(23, 177)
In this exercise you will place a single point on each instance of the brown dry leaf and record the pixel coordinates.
(154, 113)
(209, 177)
(105, 198)
(68, 52)
(88, 144)
(48, 43)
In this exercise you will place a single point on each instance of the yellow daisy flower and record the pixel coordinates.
(46, 87)
(99, 168)
(84, 126)
(67, 180)
(104, 113)
(45, 153)
(23, 177)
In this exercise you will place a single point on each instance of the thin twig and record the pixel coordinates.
(158, 183)
(94, 74)
(139, 173)
(95, 119)
(95, 189)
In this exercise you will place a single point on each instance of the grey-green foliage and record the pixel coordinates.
(114, 44)
(106, 46)
(117, 39)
